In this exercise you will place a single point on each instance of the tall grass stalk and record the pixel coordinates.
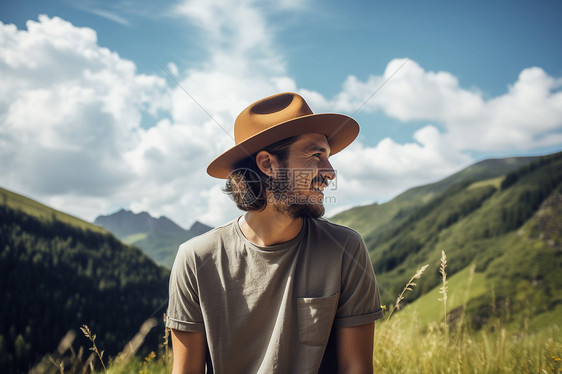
(59, 365)
(134, 344)
(64, 345)
(409, 287)
(443, 292)
(166, 342)
(86, 331)
(461, 323)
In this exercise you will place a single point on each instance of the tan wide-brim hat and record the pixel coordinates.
(278, 117)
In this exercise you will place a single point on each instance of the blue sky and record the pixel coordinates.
(90, 122)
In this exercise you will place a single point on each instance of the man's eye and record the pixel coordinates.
(317, 155)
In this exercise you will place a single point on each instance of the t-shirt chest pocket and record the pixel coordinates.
(315, 318)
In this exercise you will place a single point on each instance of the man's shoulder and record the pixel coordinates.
(209, 240)
(334, 230)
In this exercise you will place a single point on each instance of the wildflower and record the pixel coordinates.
(150, 356)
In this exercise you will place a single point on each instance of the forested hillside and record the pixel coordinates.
(509, 227)
(57, 275)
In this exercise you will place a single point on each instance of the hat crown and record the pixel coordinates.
(276, 118)
(268, 113)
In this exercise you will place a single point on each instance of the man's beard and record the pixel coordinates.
(298, 210)
(286, 200)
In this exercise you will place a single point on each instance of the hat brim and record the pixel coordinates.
(340, 130)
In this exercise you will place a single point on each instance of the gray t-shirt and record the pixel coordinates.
(272, 309)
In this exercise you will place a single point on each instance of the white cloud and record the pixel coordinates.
(527, 116)
(69, 111)
(109, 15)
(407, 92)
(70, 114)
(173, 69)
(70, 126)
(380, 172)
(236, 34)
(221, 207)
(242, 67)
(517, 119)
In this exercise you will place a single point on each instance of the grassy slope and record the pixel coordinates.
(43, 212)
(462, 287)
(375, 219)
(526, 272)
(162, 244)
(478, 223)
(161, 248)
(476, 237)
(130, 239)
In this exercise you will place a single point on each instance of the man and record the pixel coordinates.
(277, 290)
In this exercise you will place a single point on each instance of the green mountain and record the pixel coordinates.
(376, 219)
(159, 238)
(58, 272)
(502, 216)
(42, 212)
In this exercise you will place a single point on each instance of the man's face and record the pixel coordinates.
(297, 187)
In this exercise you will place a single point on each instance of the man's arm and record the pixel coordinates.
(354, 347)
(189, 352)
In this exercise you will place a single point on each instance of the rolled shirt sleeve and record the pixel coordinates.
(184, 310)
(359, 296)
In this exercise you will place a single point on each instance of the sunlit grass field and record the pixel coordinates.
(412, 338)
(399, 350)
(496, 350)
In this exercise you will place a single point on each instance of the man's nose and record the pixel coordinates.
(327, 171)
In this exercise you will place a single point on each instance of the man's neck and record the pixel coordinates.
(269, 227)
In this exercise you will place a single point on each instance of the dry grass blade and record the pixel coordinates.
(443, 290)
(442, 271)
(409, 287)
(86, 331)
(166, 342)
(135, 343)
(64, 345)
(88, 365)
(462, 322)
(66, 342)
(59, 365)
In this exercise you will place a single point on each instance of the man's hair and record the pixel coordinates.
(247, 184)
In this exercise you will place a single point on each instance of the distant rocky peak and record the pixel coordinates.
(124, 223)
(199, 228)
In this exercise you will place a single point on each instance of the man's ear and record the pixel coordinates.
(266, 162)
